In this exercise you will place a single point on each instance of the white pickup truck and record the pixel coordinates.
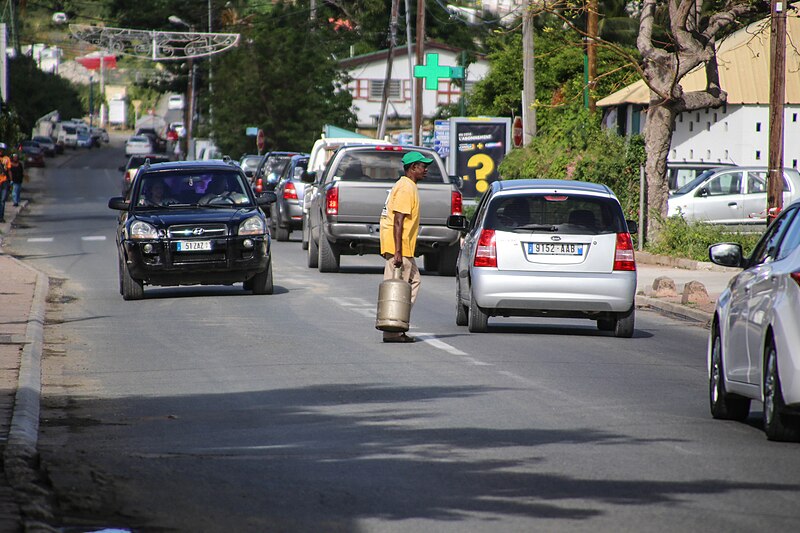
(345, 207)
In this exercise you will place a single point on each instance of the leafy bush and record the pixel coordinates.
(679, 238)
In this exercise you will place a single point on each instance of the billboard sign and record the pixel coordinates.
(477, 147)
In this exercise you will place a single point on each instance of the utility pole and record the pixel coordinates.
(528, 78)
(591, 49)
(389, 63)
(777, 91)
(418, 114)
(410, 67)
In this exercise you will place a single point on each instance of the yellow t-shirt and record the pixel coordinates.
(404, 198)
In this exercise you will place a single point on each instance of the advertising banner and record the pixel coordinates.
(477, 147)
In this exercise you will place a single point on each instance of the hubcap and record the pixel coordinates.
(769, 387)
(715, 371)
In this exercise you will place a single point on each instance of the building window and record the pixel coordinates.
(447, 93)
(376, 90)
(715, 117)
(691, 126)
(680, 117)
(697, 116)
(758, 126)
(407, 89)
(708, 126)
(726, 155)
(758, 155)
(794, 117)
(794, 163)
(359, 89)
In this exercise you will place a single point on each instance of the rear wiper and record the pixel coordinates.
(538, 227)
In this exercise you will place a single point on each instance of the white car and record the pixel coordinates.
(175, 101)
(138, 144)
(546, 248)
(754, 343)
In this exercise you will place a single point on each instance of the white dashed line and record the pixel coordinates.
(431, 339)
(40, 239)
(94, 238)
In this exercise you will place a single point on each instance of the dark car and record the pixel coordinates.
(286, 214)
(134, 162)
(34, 155)
(158, 142)
(192, 223)
(47, 145)
(270, 169)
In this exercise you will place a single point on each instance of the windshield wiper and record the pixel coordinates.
(537, 227)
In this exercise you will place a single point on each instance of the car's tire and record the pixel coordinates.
(262, 282)
(462, 311)
(313, 252)
(282, 234)
(248, 284)
(448, 258)
(430, 262)
(624, 324)
(778, 424)
(478, 319)
(328, 255)
(120, 266)
(723, 406)
(132, 289)
(606, 324)
(304, 241)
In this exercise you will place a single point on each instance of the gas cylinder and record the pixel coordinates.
(394, 303)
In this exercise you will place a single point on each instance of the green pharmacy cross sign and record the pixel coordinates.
(433, 72)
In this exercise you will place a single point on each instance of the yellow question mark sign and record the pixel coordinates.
(484, 166)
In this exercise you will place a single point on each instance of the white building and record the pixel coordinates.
(48, 58)
(737, 132)
(368, 73)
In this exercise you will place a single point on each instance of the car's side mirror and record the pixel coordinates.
(249, 173)
(703, 192)
(458, 181)
(267, 198)
(633, 226)
(727, 254)
(458, 222)
(118, 203)
(309, 177)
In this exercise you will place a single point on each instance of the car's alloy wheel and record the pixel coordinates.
(724, 406)
(624, 324)
(262, 282)
(328, 256)
(778, 425)
(132, 289)
(478, 319)
(313, 253)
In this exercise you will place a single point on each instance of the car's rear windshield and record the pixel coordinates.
(557, 213)
(138, 160)
(213, 188)
(376, 165)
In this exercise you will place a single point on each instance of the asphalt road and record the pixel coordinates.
(210, 409)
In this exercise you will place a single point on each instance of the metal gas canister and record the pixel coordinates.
(394, 304)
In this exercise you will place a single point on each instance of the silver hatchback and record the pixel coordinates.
(547, 248)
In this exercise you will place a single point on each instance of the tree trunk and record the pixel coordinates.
(658, 136)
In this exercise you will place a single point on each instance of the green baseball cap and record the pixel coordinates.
(416, 157)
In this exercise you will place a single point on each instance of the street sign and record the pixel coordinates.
(517, 132)
(261, 140)
(251, 131)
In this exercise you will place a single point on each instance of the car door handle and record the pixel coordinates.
(732, 204)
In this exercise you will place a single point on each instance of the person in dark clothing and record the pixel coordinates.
(17, 171)
(5, 162)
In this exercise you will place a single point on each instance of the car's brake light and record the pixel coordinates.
(486, 252)
(259, 186)
(388, 148)
(332, 201)
(289, 192)
(456, 204)
(796, 276)
(623, 255)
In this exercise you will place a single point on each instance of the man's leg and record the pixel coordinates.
(3, 194)
(15, 191)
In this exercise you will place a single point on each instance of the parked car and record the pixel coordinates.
(190, 223)
(134, 162)
(270, 169)
(736, 195)
(47, 145)
(249, 163)
(343, 220)
(175, 101)
(101, 135)
(138, 144)
(754, 342)
(159, 143)
(67, 135)
(286, 214)
(679, 173)
(33, 155)
(547, 248)
(85, 138)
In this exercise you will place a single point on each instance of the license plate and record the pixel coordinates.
(546, 248)
(193, 246)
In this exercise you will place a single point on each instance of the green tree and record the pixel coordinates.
(283, 79)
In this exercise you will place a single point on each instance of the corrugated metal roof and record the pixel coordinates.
(743, 59)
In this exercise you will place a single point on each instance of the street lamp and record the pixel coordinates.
(192, 69)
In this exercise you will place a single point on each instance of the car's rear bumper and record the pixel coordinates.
(229, 261)
(553, 292)
(367, 236)
(290, 214)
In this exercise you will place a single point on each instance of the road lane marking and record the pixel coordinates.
(93, 238)
(431, 339)
(40, 239)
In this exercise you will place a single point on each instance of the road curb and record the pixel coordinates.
(678, 310)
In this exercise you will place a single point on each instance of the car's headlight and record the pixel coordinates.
(252, 226)
(143, 230)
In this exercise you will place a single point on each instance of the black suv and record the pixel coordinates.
(190, 223)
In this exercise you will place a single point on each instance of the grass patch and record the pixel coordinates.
(691, 240)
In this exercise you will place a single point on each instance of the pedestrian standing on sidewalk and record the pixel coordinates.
(400, 227)
(17, 172)
(5, 163)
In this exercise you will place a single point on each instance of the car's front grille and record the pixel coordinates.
(197, 231)
(190, 257)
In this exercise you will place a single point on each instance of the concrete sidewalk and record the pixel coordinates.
(23, 293)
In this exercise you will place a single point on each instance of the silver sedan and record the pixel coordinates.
(754, 344)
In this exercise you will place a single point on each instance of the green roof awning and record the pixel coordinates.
(337, 132)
